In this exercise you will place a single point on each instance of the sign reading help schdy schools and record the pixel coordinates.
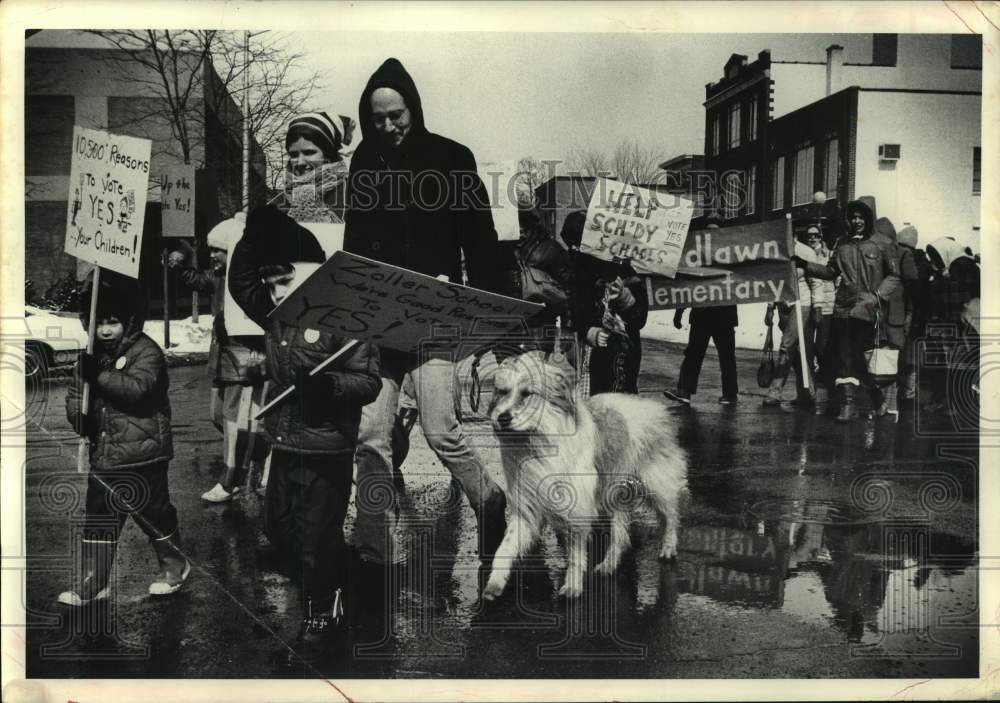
(639, 224)
(359, 298)
(108, 180)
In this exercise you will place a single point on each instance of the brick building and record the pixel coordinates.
(904, 127)
(73, 80)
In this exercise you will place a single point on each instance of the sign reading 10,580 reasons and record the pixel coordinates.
(108, 179)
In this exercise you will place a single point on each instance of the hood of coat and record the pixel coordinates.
(947, 250)
(866, 213)
(908, 236)
(391, 74)
(120, 297)
(884, 229)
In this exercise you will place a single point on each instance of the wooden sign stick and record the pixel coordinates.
(291, 389)
(82, 450)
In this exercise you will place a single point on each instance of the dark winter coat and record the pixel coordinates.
(869, 276)
(541, 252)
(229, 357)
(422, 205)
(954, 287)
(128, 424)
(323, 417)
(895, 309)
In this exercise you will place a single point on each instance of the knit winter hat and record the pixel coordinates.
(227, 231)
(118, 296)
(908, 236)
(321, 130)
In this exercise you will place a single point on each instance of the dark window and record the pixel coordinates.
(977, 171)
(734, 125)
(884, 49)
(752, 120)
(778, 184)
(48, 125)
(966, 51)
(751, 190)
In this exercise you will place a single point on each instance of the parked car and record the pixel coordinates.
(54, 343)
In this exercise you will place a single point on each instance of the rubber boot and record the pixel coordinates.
(322, 623)
(97, 557)
(174, 566)
(848, 410)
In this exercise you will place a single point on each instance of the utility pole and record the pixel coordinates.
(246, 121)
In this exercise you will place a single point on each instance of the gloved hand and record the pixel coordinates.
(624, 301)
(678, 322)
(89, 367)
(256, 373)
(597, 337)
(175, 259)
(769, 315)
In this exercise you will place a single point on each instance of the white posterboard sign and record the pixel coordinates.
(330, 235)
(177, 201)
(108, 177)
(500, 180)
(358, 298)
(647, 227)
(237, 322)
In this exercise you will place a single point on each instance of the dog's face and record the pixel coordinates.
(532, 395)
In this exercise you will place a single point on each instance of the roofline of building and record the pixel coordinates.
(679, 157)
(930, 91)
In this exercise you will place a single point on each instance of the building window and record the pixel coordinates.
(802, 185)
(48, 137)
(731, 195)
(977, 171)
(884, 48)
(752, 120)
(734, 125)
(716, 134)
(778, 184)
(751, 190)
(967, 51)
(832, 168)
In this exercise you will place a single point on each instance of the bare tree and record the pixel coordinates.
(635, 163)
(531, 173)
(589, 162)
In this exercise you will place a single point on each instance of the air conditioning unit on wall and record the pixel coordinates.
(888, 152)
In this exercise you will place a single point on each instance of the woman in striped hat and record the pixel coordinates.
(316, 175)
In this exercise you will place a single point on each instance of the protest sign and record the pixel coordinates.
(177, 201)
(330, 235)
(500, 180)
(643, 225)
(351, 296)
(108, 178)
(731, 266)
(237, 322)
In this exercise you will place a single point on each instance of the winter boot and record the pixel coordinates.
(322, 622)
(848, 410)
(774, 391)
(174, 566)
(95, 568)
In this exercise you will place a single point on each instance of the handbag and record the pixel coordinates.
(765, 371)
(882, 360)
(537, 286)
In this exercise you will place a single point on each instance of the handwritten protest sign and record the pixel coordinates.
(731, 266)
(359, 298)
(108, 179)
(177, 201)
(639, 224)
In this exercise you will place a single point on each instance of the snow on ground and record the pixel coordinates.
(185, 336)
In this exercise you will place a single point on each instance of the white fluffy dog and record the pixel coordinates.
(568, 461)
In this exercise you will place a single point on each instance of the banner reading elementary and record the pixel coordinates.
(732, 266)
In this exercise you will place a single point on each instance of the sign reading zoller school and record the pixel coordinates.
(639, 224)
(731, 266)
(108, 180)
(359, 298)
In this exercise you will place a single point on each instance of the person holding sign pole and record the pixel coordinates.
(868, 278)
(233, 360)
(313, 432)
(712, 323)
(416, 201)
(127, 424)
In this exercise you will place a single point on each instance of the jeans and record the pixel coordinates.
(724, 336)
(433, 385)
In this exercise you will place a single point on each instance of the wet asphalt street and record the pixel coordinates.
(807, 549)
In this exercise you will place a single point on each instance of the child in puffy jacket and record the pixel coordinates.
(314, 432)
(127, 423)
